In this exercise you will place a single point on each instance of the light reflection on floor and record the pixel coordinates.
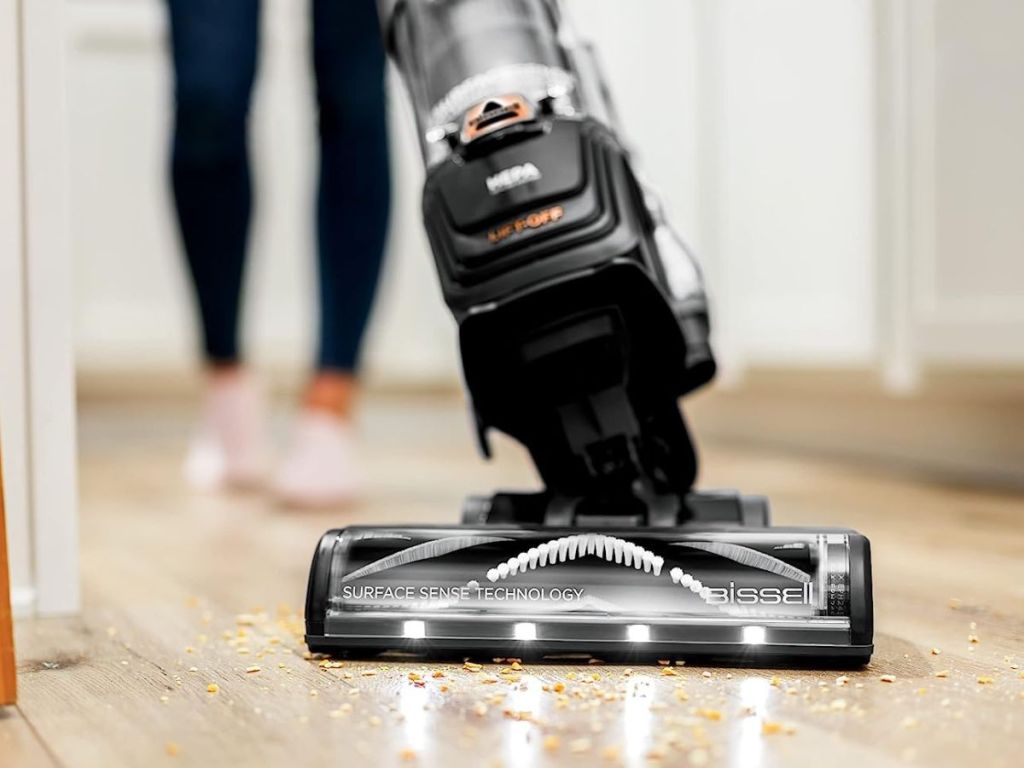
(521, 738)
(749, 751)
(412, 701)
(637, 720)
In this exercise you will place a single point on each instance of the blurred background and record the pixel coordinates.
(850, 173)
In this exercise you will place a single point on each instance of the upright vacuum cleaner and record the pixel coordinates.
(582, 321)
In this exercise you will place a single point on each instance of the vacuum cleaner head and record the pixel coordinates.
(742, 594)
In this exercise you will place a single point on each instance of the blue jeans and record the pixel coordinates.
(214, 44)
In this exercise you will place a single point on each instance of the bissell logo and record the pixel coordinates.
(802, 595)
(512, 177)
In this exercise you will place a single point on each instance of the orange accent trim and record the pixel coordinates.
(494, 113)
(8, 679)
(534, 220)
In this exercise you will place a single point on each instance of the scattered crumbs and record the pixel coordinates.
(480, 709)
(888, 678)
(552, 743)
(837, 704)
(954, 603)
(579, 745)
(842, 680)
(776, 681)
(985, 680)
(314, 692)
(343, 711)
(165, 699)
(374, 721)
(709, 714)
(772, 727)
(705, 673)
(368, 672)
(681, 695)
(212, 688)
(942, 673)
(407, 755)
(252, 668)
(470, 666)
(172, 749)
(193, 669)
(558, 687)
(668, 672)
(936, 651)
(908, 722)
(437, 674)
(611, 753)
(627, 672)
(415, 677)
(973, 639)
(520, 714)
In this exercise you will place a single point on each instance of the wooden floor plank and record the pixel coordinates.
(183, 591)
(19, 746)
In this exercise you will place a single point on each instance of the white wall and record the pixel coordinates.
(13, 396)
(970, 302)
(792, 152)
(37, 410)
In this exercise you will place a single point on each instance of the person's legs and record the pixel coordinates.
(214, 51)
(352, 213)
(214, 45)
(354, 188)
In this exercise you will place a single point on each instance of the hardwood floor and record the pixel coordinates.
(185, 592)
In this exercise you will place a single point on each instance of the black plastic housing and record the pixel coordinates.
(570, 341)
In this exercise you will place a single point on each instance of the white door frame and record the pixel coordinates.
(37, 407)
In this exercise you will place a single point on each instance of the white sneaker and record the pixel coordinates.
(320, 468)
(230, 448)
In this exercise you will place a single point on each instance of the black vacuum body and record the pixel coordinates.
(582, 322)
